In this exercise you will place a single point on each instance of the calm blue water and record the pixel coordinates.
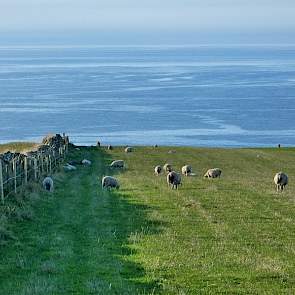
(200, 96)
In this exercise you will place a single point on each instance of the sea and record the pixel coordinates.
(201, 95)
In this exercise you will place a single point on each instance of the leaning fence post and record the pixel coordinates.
(1, 183)
(14, 174)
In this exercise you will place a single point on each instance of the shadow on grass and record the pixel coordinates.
(131, 221)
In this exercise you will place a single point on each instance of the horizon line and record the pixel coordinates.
(188, 45)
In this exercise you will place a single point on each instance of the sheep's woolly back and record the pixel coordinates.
(48, 184)
(167, 167)
(117, 164)
(281, 178)
(110, 182)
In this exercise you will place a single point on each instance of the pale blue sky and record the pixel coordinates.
(162, 17)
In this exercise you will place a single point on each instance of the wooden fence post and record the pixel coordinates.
(50, 164)
(42, 167)
(54, 158)
(14, 174)
(26, 170)
(35, 169)
(60, 155)
(1, 183)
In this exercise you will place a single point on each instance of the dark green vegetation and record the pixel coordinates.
(233, 235)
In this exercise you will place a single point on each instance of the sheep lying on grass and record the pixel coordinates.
(69, 167)
(86, 162)
(109, 182)
(158, 170)
(186, 170)
(167, 168)
(280, 180)
(117, 164)
(173, 180)
(48, 184)
(128, 149)
(213, 173)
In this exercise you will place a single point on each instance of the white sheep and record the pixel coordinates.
(128, 149)
(48, 184)
(280, 180)
(69, 167)
(186, 170)
(158, 170)
(110, 182)
(86, 162)
(117, 164)
(213, 173)
(167, 168)
(173, 180)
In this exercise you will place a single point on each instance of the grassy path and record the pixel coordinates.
(77, 244)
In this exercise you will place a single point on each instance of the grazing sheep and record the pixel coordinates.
(173, 180)
(280, 180)
(48, 184)
(186, 170)
(117, 164)
(86, 162)
(69, 167)
(158, 170)
(110, 182)
(167, 168)
(213, 173)
(128, 149)
(171, 152)
(110, 147)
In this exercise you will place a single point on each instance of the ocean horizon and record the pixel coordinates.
(205, 95)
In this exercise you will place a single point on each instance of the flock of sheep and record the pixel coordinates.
(173, 178)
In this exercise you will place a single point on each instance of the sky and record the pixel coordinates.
(156, 21)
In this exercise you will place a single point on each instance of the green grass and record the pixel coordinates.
(233, 235)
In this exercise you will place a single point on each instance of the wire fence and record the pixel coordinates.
(22, 169)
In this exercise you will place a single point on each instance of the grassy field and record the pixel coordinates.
(17, 147)
(233, 235)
